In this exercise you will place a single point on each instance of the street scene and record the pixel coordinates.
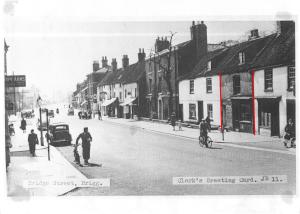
(192, 108)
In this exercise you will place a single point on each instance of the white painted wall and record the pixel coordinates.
(131, 87)
(280, 86)
(200, 94)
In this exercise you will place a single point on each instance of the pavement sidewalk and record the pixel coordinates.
(231, 137)
(27, 175)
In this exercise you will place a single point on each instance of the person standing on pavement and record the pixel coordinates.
(32, 141)
(204, 130)
(289, 133)
(86, 139)
(207, 120)
(99, 115)
(173, 120)
(23, 125)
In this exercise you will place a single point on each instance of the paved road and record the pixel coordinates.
(140, 162)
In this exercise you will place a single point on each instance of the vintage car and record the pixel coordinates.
(59, 134)
(51, 113)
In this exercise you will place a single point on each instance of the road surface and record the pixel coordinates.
(140, 162)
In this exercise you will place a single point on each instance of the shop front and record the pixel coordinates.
(268, 116)
(242, 114)
(109, 106)
(129, 107)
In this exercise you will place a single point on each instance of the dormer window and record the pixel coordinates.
(209, 65)
(242, 58)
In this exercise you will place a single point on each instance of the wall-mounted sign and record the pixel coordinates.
(15, 81)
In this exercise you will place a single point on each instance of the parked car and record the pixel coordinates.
(71, 111)
(59, 134)
(51, 113)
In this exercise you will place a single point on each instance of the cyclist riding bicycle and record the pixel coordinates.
(204, 130)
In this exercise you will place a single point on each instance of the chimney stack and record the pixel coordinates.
(96, 65)
(141, 55)
(114, 64)
(104, 62)
(125, 61)
(161, 44)
(199, 38)
(284, 26)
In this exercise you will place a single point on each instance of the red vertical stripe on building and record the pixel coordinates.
(221, 103)
(253, 102)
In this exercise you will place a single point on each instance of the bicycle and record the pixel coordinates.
(208, 140)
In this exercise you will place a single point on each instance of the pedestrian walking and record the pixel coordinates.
(99, 115)
(23, 125)
(79, 114)
(86, 139)
(180, 125)
(32, 141)
(173, 120)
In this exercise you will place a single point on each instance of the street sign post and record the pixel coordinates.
(15, 81)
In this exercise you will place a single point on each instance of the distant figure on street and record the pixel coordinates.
(57, 111)
(76, 155)
(32, 141)
(79, 114)
(86, 139)
(173, 120)
(203, 130)
(99, 115)
(289, 133)
(23, 125)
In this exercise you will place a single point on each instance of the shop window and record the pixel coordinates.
(210, 111)
(291, 78)
(236, 84)
(192, 111)
(265, 119)
(191, 86)
(245, 112)
(120, 95)
(208, 85)
(269, 79)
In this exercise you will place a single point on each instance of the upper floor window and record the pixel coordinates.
(191, 86)
(209, 65)
(269, 79)
(208, 85)
(242, 57)
(236, 84)
(120, 85)
(291, 78)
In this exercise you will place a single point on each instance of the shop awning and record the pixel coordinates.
(128, 101)
(108, 102)
(241, 98)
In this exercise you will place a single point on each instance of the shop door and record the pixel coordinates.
(235, 116)
(290, 110)
(275, 119)
(180, 112)
(200, 111)
(160, 109)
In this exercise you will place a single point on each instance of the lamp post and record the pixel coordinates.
(48, 134)
(41, 128)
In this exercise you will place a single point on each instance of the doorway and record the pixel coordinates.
(200, 111)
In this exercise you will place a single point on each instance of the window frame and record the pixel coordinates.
(210, 112)
(192, 89)
(194, 115)
(291, 79)
(207, 86)
(268, 80)
(242, 58)
(234, 81)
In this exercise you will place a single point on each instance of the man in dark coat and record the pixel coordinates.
(203, 130)
(86, 139)
(289, 133)
(23, 125)
(173, 120)
(32, 141)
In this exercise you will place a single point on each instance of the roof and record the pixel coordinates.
(101, 71)
(226, 59)
(130, 74)
(280, 52)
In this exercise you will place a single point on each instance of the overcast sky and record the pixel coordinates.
(56, 53)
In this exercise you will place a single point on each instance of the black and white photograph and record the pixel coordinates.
(159, 107)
